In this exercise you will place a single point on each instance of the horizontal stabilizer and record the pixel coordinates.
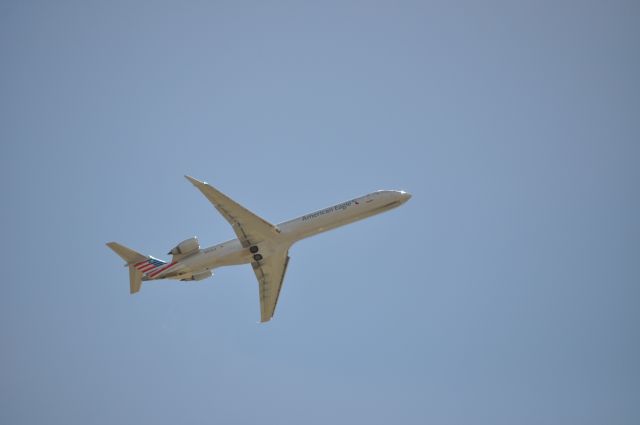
(135, 280)
(131, 257)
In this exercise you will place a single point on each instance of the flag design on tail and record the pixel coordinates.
(152, 266)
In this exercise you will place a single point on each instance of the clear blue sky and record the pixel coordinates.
(506, 291)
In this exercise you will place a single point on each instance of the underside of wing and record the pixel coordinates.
(270, 274)
(249, 227)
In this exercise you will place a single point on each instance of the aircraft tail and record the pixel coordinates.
(127, 254)
(138, 264)
(135, 280)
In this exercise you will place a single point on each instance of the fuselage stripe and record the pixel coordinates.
(161, 269)
(147, 267)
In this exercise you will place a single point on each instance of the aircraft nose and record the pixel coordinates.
(405, 195)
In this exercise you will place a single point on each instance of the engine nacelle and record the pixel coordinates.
(187, 246)
(199, 276)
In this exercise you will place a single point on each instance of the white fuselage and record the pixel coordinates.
(232, 252)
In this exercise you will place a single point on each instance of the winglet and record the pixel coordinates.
(193, 181)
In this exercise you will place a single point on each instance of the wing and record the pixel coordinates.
(249, 227)
(270, 273)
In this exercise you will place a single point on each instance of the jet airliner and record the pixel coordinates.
(263, 245)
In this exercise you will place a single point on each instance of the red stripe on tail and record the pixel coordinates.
(161, 269)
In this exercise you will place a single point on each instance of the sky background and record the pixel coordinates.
(506, 291)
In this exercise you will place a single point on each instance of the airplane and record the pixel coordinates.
(263, 245)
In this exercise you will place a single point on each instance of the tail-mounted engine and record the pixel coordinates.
(198, 276)
(185, 248)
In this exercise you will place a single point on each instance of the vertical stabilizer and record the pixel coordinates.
(132, 258)
(127, 254)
